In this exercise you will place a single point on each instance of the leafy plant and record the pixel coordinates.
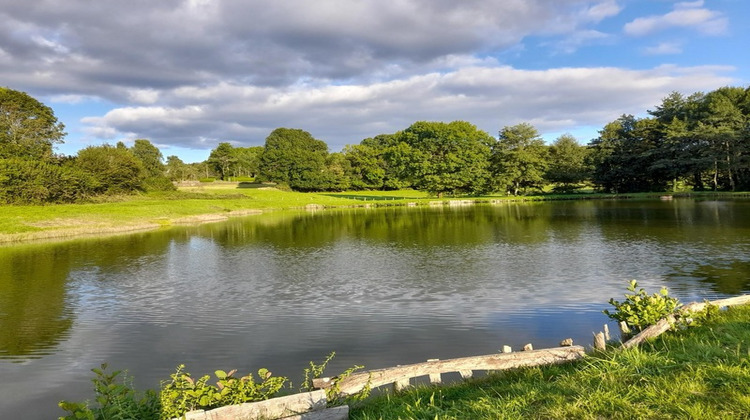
(114, 400)
(333, 392)
(640, 310)
(183, 393)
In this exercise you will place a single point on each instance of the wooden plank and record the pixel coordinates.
(599, 342)
(466, 374)
(333, 413)
(655, 330)
(271, 409)
(502, 361)
(721, 303)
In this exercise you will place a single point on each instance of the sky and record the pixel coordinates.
(189, 74)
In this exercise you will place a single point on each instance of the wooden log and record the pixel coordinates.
(269, 409)
(400, 384)
(379, 377)
(624, 329)
(435, 378)
(528, 347)
(721, 303)
(466, 374)
(333, 413)
(655, 330)
(599, 342)
(606, 333)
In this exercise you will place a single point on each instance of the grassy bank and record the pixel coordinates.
(698, 373)
(206, 203)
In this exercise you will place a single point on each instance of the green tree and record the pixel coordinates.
(366, 169)
(444, 158)
(294, 157)
(177, 170)
(568, 166)
(222, 158)
(150, 156)
(115, 169)
(520, 159)
(246, 161)
(28, 128)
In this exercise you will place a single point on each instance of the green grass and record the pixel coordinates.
(699, 373)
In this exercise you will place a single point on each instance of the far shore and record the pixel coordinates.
(222, 201)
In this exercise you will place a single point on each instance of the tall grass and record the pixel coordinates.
(699, 373)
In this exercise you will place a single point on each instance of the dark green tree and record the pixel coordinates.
(115, 169)
(520, 159)
(222, 158)
(150, 156)
(28, 128)
(294, 157)
(568, 166)
(443, 158)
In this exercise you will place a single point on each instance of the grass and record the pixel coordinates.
(699, 373)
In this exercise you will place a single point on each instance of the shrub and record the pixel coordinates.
(639, 310)
(183, 393)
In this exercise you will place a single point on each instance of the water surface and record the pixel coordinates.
(379, 286)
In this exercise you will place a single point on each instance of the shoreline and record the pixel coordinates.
(61, 228)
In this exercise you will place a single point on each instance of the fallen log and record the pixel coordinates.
(401, 374)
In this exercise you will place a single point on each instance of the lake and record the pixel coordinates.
(380, 287)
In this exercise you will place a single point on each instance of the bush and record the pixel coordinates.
(639, 310)
(158, 183)
(209, 179)
(183, 393)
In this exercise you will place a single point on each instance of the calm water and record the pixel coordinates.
(379, 286)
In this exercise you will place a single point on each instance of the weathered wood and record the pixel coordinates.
(466, 374)
(333, 413)
(375, 378)
(269, 409)
(699, 306)
(624, 329)
(599, 342)
(507, 349)
(606, 333)
(401, 384)
(528, 347)
(655, 330)
(566, 343)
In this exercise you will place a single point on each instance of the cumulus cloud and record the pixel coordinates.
(491, 97)
(191, 73)
(686, 15)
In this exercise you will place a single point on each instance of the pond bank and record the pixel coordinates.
(207, 205)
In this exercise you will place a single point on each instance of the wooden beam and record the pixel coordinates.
(502, 361)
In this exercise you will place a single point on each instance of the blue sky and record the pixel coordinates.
(188, 74)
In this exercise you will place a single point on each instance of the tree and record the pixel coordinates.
(366, 169)
(177, 170)
(222, 158)
(519, 158)
(246, 161)
(567, 163)
(115, 169)
(294, 157)
(150, 156)
(446, 158)
(28, 128)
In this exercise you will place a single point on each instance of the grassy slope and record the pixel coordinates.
(699, 373)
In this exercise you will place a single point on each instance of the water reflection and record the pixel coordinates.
(379, 286)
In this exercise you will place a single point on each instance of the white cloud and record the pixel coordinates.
(491, 97)
(664, 48)
(685, 15)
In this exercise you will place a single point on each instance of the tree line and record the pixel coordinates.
(697, 142)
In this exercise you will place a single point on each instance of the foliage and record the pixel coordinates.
(114, 400)
(568, 166)
(150, 157)
(221, 158)
(639, 310)
(519, 159)
(28, 128)
(116, 169)
(333, 393)
(294, 157)
(450, 158)
(183, 393)
(27, 181)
